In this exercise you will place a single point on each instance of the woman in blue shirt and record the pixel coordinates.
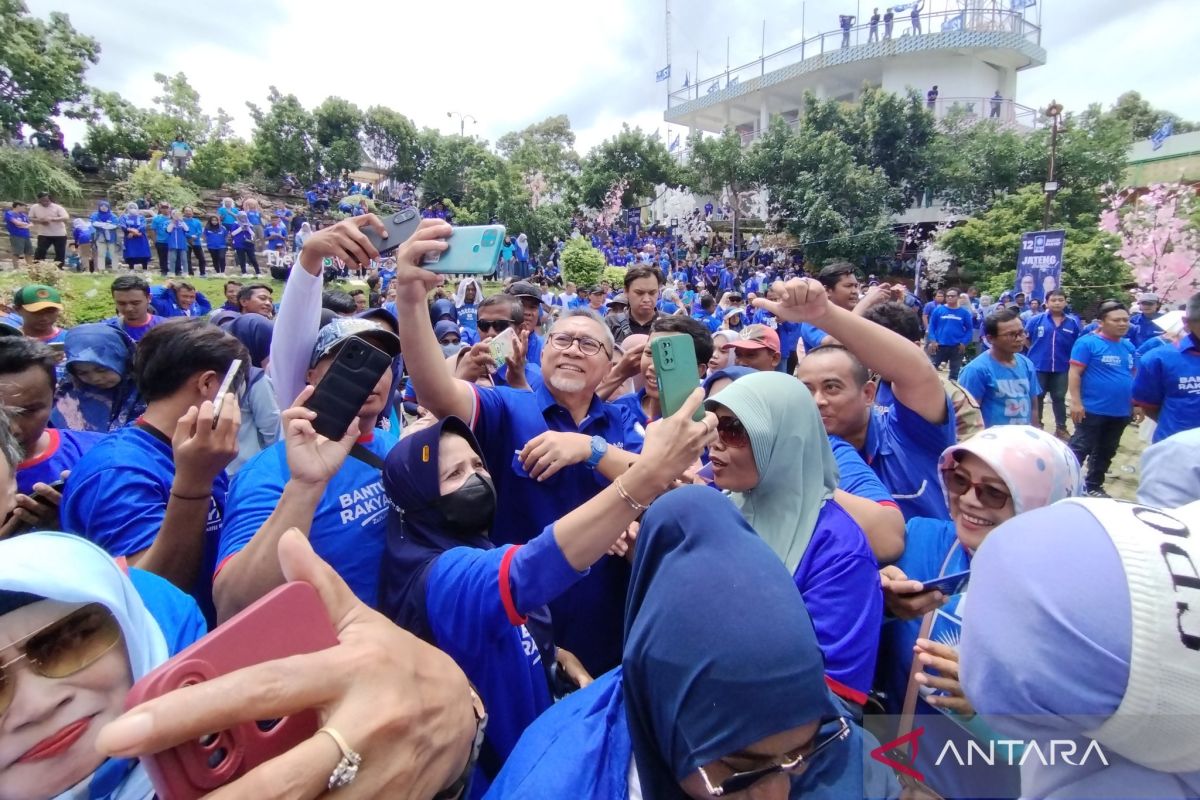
(774, 458)
(137, 246)
(79, 629)
(98, 392)
(242, 236)
(228, 213)
(714, 695)
(987, 479)
(216, 241)
(446, 582)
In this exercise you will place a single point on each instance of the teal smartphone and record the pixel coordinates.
(675, 367)
(473, 250)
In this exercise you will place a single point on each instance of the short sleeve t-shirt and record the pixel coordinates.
(10, 217)
(1169, 380)
(904, 448)
(136, 332)
(348, 528)
(64, 450)
(855, 477)
(1107, 380)
(1004, 392)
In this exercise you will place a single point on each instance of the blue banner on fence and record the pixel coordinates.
(1039, 263)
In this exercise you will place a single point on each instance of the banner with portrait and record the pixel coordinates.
(1039, 263)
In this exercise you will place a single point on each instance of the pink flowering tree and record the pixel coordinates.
(1160, 239)
(610, 211)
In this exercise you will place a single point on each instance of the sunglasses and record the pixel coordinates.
(732, 432)
(792, 764)
(63, 647)
(587, 345)
(497, 325)
(957, 484)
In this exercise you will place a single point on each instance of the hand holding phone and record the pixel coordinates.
(472, 250)
(399, 226)
(676, 372)
(947, 584)
(501, 346)
(229, 384)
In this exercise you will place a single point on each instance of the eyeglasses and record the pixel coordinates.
(63, 647)
(587, 345)
(497, 325)
(957, 484)
(732, 432)
(1011, 335)
(792, 764)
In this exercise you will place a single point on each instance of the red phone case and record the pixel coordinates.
(289, 621)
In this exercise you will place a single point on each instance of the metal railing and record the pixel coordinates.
(903, 25)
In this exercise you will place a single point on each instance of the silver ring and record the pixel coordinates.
(347, 769)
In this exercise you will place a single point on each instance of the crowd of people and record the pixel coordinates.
(542, 587)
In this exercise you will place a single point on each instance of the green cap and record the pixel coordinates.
(37, 297)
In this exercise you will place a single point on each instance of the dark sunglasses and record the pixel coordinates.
(497, 325)
(732, 432)
(957, 484)
(792, 764)
(63, 647)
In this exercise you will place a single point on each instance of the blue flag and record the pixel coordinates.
(1160, 135)
(715, 86)
(1017, 5)
(955, 23)
(674, 144)
(662, 74)
(902, 7)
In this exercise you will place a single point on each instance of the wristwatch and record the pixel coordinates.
(599, 448)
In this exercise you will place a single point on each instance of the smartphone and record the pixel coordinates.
(947, 584)
(228, 384)
(473, 250)
(501, 346)
(289, 621)
(675, 369)
(400, 226)
(58, 347)
(56, 486)
(350, 380)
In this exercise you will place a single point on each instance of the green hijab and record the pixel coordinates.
(797, 472)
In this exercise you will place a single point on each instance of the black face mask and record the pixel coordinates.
(470, 509)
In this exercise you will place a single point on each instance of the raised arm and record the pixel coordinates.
(915, 382)
(437, 390)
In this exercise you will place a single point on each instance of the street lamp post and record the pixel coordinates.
(1053, 111)
(462, 121)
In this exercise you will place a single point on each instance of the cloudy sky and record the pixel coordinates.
(514, 63)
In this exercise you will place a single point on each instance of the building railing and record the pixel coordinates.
(903, 25)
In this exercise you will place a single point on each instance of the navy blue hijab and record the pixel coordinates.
(254, 331)
(719, 649)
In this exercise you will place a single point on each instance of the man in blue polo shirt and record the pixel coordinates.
(1141, 322)
(290, 485)
(1167, 385)
(548, 450)
(154, 492)
(1002, 380)
(1051, 336)
(1101, 387)
(950, 331)
(902, 441)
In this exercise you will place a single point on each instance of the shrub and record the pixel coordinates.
(582, 264)
(25, 171)
(615, 276)
(156, 186)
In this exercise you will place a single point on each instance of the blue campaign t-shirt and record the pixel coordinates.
(904, 448)
(136, 332)
(1005, 393)
(588, 618)
(176, 613)
(1107, 380)
(1169, 380)
(11, 216)
(348, 528)
(1049, 343)
(276, 230)
(951, 326)
(476, 601)
(468, 317)
(63, 451)
(117, 494)
(533, 353)
(839, 581)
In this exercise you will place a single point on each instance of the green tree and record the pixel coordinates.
(986, 247)
(638, 158)
(284, 138)
(42, 68)
(455, 167)
(25, 171)
(117, 129)
(1143, 119)
(1091, 154)
(835, 206)
(338, 124)
(582, 264)
(975, 163)
(156, 186)
(721, 164)
(178, 113)
(219, 161)
(545, 148)
(392, 141)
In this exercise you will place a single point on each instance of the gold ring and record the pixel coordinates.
(347, 769)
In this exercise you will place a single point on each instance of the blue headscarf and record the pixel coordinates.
(732, 373)
(254, 331)
(83, 407)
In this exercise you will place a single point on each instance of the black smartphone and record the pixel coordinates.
(350, 380)
(400, 226)
(56, 486)
(228, 384)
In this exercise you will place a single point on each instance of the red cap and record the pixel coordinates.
(756, 337)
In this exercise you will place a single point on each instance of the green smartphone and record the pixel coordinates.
(472, 250)
(675, 368)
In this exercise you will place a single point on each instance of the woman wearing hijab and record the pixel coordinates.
(137, 246)
(260, 410)
(466, 300)
(987, 479)
(522, 256)
(216, 240)
(446, 582)
(1078, 630)
(104, 225)
(713, 697)
(303, 235)
(773, 457)
(243, 237)
(84, 629)
(98, 391)
(722, 358)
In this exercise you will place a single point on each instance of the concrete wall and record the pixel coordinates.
(954, 75)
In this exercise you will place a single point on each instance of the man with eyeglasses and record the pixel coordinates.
(1002, 380)
(549, 450)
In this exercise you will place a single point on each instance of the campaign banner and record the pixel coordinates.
(1039, 263)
